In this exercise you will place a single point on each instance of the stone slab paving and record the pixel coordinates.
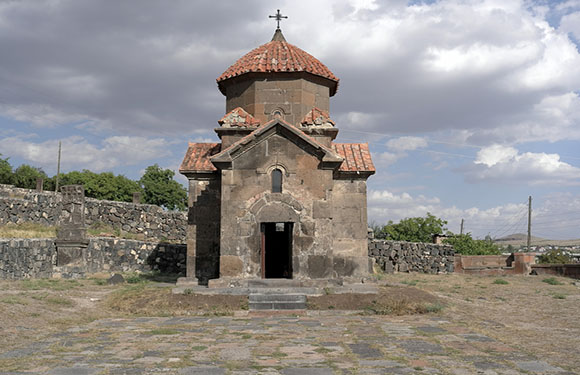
(328, 344)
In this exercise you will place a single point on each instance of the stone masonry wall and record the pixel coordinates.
(153, 222)
(398, 256)
(36, 258)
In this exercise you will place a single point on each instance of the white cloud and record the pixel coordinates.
(385, 205)
(555, 216)
(570, 23)
(79, 153)
(495, 154)
(403, 144)
(42, 115)
(507, 165)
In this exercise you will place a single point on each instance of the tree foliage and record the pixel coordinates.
(161, 189)
(414, 229)
(25, 176)
(555, 256)
(464, 244)
(104, 185)
(156, 184)
(5, 171)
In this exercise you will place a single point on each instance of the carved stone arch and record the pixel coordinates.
(277, 212)
(283, 205)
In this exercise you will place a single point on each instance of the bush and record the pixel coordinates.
(556, 256)
(414, 229)
(464, 244)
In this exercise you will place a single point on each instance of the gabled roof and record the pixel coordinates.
(278, 56)
(317, 117)
(238, 117)
(357, 157)
(328, 156)
(197, 157)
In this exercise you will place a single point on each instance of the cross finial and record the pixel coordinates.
(278, 16)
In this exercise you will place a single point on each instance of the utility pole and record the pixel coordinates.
(529, 222)
(461, 230)
(58, 168)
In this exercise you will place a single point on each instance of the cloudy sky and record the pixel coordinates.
(469, 107)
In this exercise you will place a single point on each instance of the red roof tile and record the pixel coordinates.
(278, 56)
(197, 157)
(238, 117)
(316, 117)
(357, 157)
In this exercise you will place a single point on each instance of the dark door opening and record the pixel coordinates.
(276, 250)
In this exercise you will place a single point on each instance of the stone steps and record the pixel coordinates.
(271, 301)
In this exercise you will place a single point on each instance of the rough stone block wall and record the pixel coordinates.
(24, 205)
(153, 222)
(36, 258)
(26, 258)
(398, 256)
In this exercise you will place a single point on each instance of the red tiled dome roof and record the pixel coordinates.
(278, 56)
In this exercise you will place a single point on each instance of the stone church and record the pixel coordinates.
(277, 197)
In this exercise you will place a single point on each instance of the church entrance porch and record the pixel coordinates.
(276, 250)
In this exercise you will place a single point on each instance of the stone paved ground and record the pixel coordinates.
(313, 344)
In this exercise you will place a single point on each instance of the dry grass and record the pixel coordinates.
(27, 230)
(528, 312)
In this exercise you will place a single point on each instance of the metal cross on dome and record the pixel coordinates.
(278, 16)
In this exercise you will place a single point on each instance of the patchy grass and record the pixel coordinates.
(559, 296)
(552, 281)
(163, 331)
(100, 229)
(500, 282)
(27, 230)
(14, 300)
(148, 299)
(51, 284)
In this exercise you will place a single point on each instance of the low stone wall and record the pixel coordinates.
(567, 270)
(152, 222)
(511, 264)
(36, 258)
(398, 256)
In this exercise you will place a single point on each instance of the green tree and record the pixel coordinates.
(161, 189)
(414, 229)
(464, 244)
(25, 176)
(102, 185)
(555, 256)
(6, 174)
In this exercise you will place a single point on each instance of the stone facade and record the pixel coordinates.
(153, 222)
(399, 256)
(37, 258)
(277, 198)
(290, 98)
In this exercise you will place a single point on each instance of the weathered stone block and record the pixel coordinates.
(321, 210)
(319, 267)
(230, 266)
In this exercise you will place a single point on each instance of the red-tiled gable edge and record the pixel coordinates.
(316, 117)
(277, 56)
(238, 117)
(197, 157)
(357, 157)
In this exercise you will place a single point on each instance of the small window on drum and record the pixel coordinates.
(276, 181)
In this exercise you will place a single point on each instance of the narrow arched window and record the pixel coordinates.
(276, 181)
